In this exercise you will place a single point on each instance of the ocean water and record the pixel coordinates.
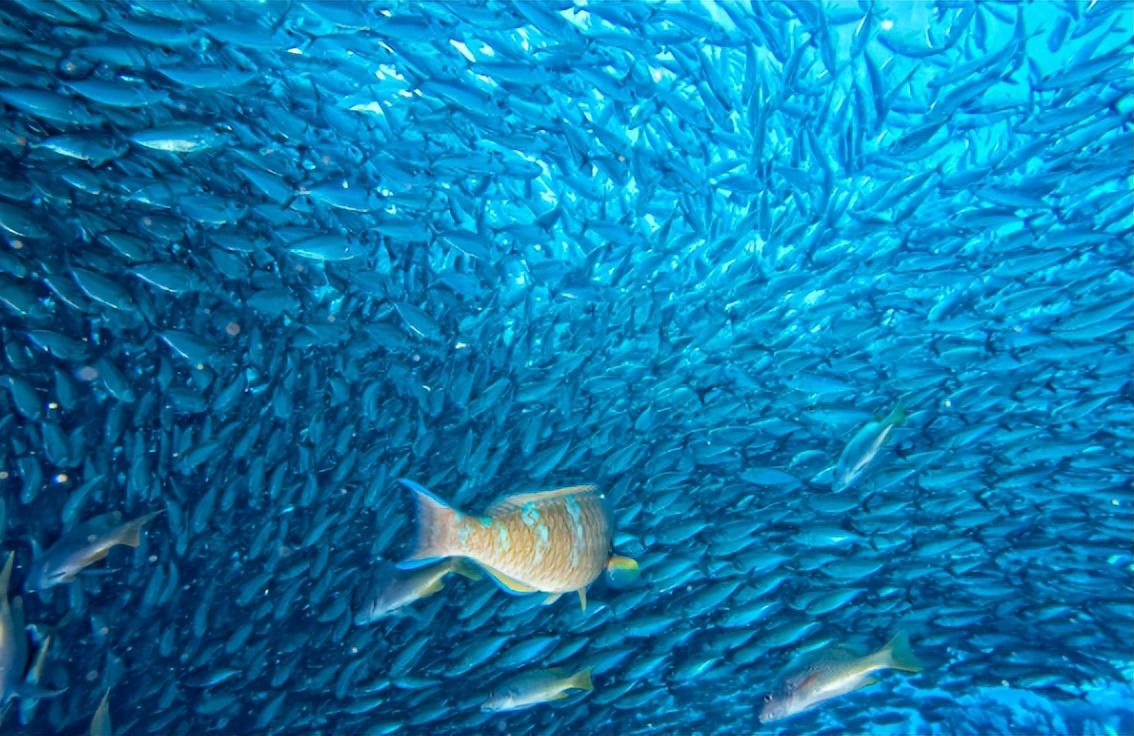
(831, 301)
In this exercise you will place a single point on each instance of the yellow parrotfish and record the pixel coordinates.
(551, 542)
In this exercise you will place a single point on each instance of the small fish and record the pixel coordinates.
(864, 447)
(835, 673)
(82, 546)
(535, 687)
(552, 542)
(401, 588)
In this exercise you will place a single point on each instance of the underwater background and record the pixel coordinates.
(832, 301)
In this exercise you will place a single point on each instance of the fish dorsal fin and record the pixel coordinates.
(520, 499)
(510, 585)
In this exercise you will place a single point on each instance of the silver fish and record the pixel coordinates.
(82, 546)
(835, 673)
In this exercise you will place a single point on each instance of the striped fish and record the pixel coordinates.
(553, 542)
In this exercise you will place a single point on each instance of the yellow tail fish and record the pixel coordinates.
(552, 542)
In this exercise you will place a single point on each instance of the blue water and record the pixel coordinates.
(832, 302)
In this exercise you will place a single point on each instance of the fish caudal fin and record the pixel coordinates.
(898, 655)
(131, 533)
(436, 521)
(582, 680)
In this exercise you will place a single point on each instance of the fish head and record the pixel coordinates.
(499, 700)
(777, 706)
(45, 574)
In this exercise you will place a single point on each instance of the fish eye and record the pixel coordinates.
(767, 697)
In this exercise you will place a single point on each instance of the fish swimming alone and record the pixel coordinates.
(833, 673)
(82, 546)
(552, 542)
(539, 686)
(864, 447)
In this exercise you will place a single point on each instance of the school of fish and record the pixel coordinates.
(769, 332)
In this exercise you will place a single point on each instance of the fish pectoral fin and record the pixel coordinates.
(551, 599)
(432, 588)
(413, 564)
(511, 585)
(466, 569)
(583, 598)
(868, 681)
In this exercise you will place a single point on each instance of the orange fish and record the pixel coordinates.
(552, 542)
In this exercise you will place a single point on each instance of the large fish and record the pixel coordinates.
(834, 673)
(82, 546)
(552, 542)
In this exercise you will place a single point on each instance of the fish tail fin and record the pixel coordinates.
(436, 521)
(898, 655)
(582, 680)
(131, 533)
(6, 576)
